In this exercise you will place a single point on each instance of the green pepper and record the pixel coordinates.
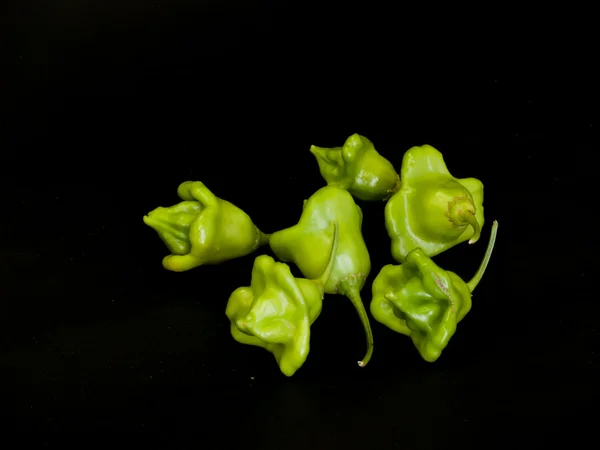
(276, 311)
(432, 210)
(358, 168)
(203, 229)
(420, 300)
(307, 243)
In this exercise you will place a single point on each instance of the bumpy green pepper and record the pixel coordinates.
(276, 311)
(203, 229)
(432, 210)
(307, 244)
(358, 168)
(419, 299)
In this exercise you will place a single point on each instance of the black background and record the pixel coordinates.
(107, 107)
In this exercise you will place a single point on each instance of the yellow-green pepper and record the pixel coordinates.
(307, 244)
(358, 168)
(276, 311)
(420, 300)
(203, 229)
(432, 210)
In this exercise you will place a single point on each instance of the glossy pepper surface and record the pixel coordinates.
(203, 229)
(420, 300)
(432, 210)
(307, 244)
(357, 167)
(276, 311)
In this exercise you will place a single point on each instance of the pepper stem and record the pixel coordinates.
(486, 259)
(324, 278)
(354, 297)
(472, 220)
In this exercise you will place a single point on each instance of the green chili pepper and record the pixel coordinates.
(419, 299)
(307, 243)
(432, 210)
(276, 311)
(203, 229)
(358, 168)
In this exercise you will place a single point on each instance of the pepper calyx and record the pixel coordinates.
(461, 213)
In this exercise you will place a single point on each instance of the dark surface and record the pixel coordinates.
(106, 110)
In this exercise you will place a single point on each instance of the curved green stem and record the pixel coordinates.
(354, 297)
(486, 259)
(472, 220)
(324, 278)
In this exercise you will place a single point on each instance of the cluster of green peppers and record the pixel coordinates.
(427, 212)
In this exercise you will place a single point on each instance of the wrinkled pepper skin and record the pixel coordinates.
(203, 229)
(358, 168)
(420, 300)
(276, 311)
(432, 210)
(307, 244)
